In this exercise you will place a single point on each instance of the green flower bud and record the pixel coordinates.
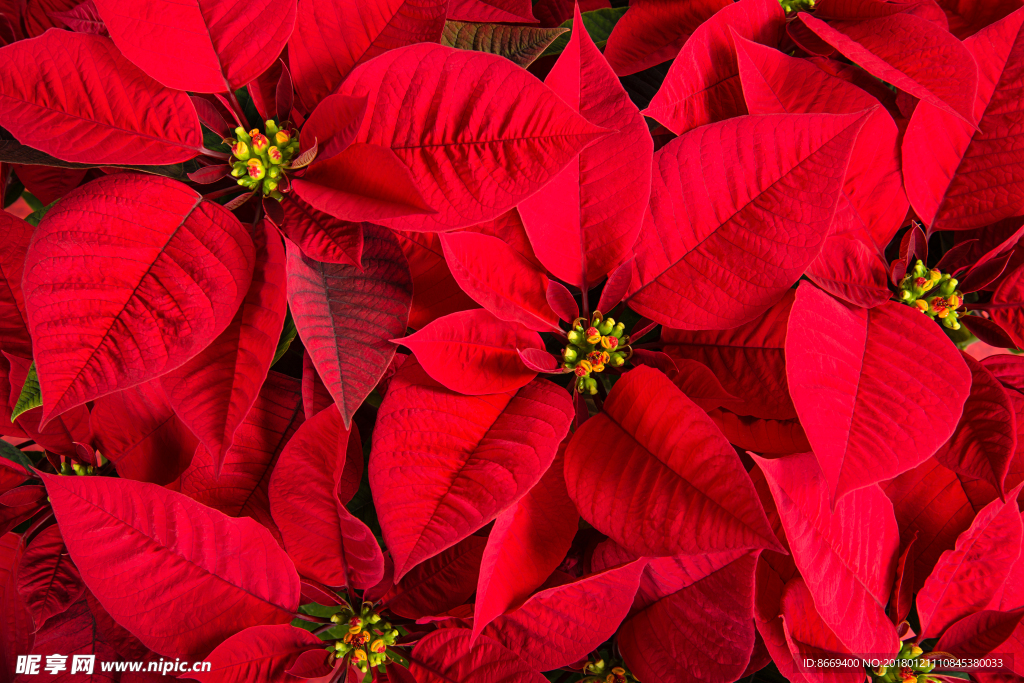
(271, 127)
(575, 337)
(242, 135)
(570, 354)
(605, 326)
(591, 385)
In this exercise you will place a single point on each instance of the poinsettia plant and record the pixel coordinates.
(503, 341)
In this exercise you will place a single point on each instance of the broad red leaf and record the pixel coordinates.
(324, 540)
(703, 84)
(748, 360)
(320, 236)
(15, 619)
(331, 38)
(967, 17)
(488, 11)
(259, 653)
(966, 178)
(15, 235)
(345, 316)
(809, 637)
(241, 490)
(435, 293)
(985, 439)
(213, 391)
(528, 542)
(846, 556)
(333, 125)
(911, 53)
(83, 18)
(850, 268)
(474, 353)
(152, 274)
(451, 654)
(741, 215)
(968, 576)
(652, 443)
(562, 624)
(653, 31)
(200, 47)
(701, 631)
(439, 584)
(500, 279)
(583, 223)
(460, 135)
(47, 579)
(215, 574)
(979, 633)
(48, 183)
(855, 374)
(75, 97)
(473, 457)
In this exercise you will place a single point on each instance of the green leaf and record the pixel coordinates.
(37, 215)
(30, 396)
(599, 25)
(287, 337)
(17, 456)
(520, 44)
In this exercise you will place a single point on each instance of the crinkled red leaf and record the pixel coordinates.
(15, 235)
(346, 316)
(473, 457)
(320, 236)
(211, 573)
(463, 139)
(214, 391)
(259, 653)
(75, 97)
(474, 353)
(857, 374)
(967, 577)
(71, 633)
(850, 268)
(439, 584)
(48, 580)
(584, 222)
(740, 216)
(703, 84)
(809, 637)
(846, 556)
(331, 38)
(15, 620)
(979, 633)
(965, 178)
(324, 540)
(126, 279)
(652, 443)
(968, 17)
(451, 654)
(200, 47)
(492, 11)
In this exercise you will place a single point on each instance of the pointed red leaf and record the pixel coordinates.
(83, 18)
(153, 274)
(47, 579)
(652, 443)
(213, 392)
(528, 542)
(968, 576)
(966, 178)
(443, 582)
(902, 599)
(696, 256)
(459, 134)
(539, 360)
(561, 301)
(979, 633)
(474, 353)
(200, 48)
(48, 183)
(324, 540)
(809, 637)
(584, 222)
(333, 125)
(345, 316)
(855, 374)
(58, 435)
(320, 236)
(74, 632)
(75, 97)
(315, 396)
(259, 653)
(15, 620)
(451, 654)
(850, 268)
(473, 457)
(847, 557)
(15, 235)
(615, 286)
(492, 11)
(435, 293)
(331, 38)
(703, 84)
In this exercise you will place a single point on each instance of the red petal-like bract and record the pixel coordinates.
(474, 353)
(967, 578)
(528, 542)
(847, 557)
(320, 236)
(15, 619)
(703, 84)
(74, 632)
(60, 434)
(15, 236)
(47, 579)
(346, 316)
(439, 584)
(464, 140)
(213, 392)
(180, 576)
(865, 394)
(200, 46)
(435, 293)
(967, 177)
(127, 278)
(473, 457)
(584, 222)
(259, 653)
(652, 443)
(451, 654)
(807, 635)
(738, 211)
(75, 97)
(332, 37)
(509, 11)
(324, 540)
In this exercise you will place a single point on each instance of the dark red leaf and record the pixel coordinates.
(47, 579)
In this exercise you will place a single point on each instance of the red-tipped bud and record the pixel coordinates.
(260, 143)
(378, 646)
(241, 150)
(593, 335)
(255, 169)
(283, 137)
(275, 155)
(609, 342)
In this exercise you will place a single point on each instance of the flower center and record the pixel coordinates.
(593, 346)
(933, 293)
(262, 158)
(791, 6)
(599, 672)
(367, 639)
(912, 668)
